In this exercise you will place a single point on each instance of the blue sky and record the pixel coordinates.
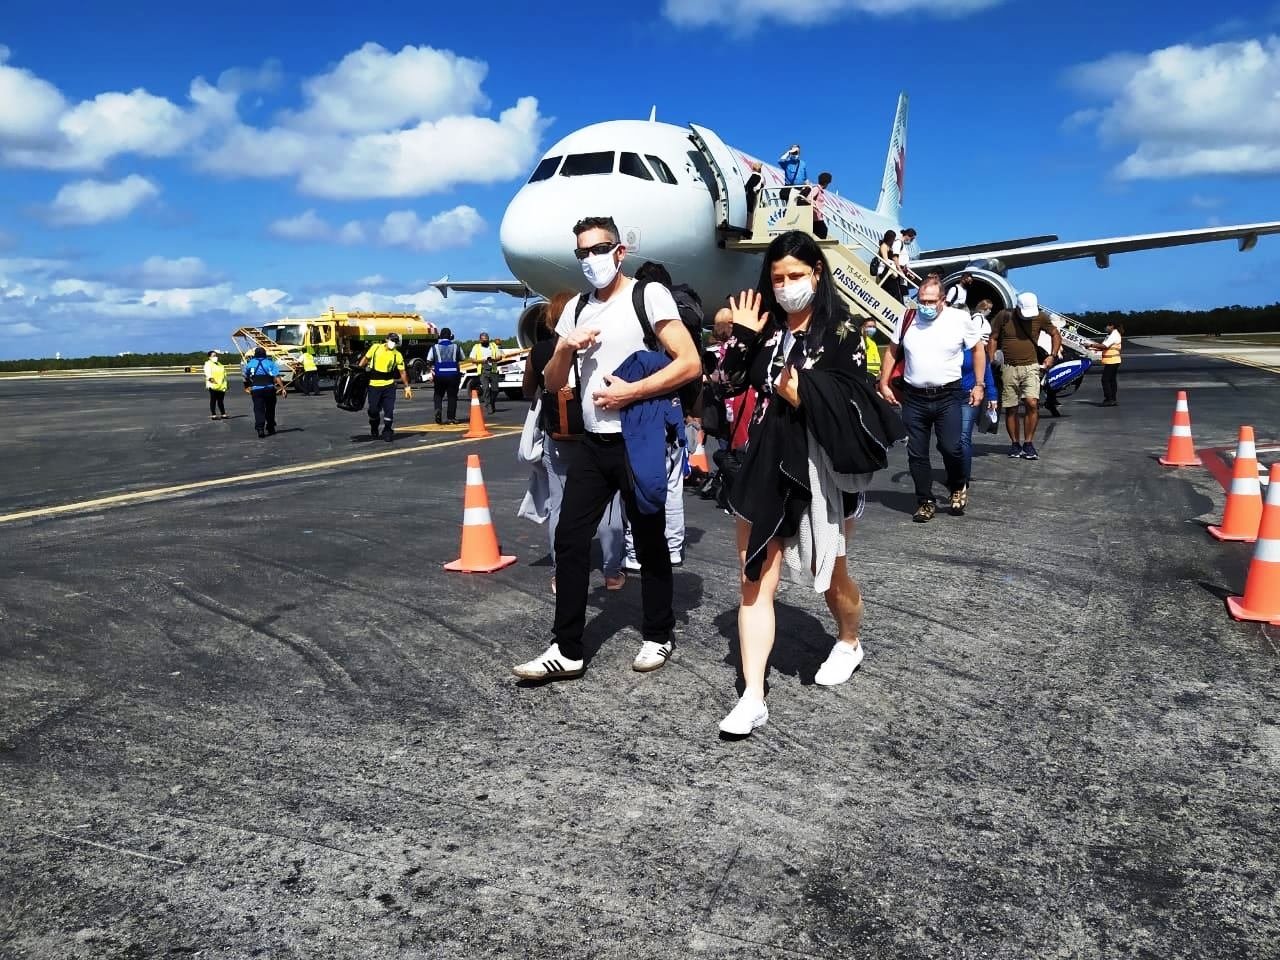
(167, 176)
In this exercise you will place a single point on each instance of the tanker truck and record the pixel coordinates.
(338, 340)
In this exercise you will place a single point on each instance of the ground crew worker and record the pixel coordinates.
(215, 378)
(487, 355)
(872, 348)
(310, 376)
(446, 375)
(263, 384)
(384, 360)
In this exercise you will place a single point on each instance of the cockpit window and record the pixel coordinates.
(633, 166)
(545, 170)
(585, 164)
(661, 169)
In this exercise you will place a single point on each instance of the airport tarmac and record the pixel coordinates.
(244, 712)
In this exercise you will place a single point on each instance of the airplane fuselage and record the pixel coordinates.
(659, 188)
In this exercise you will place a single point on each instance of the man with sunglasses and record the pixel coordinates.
(596, 333)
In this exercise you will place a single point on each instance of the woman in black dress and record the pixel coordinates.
(817, 434)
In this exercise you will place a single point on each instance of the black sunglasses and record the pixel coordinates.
(607, 247)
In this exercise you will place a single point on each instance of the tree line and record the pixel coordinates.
(1137, 323)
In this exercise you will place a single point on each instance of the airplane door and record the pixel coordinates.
(732, 202)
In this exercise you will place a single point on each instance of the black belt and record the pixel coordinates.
(934, 391)
(604, 438)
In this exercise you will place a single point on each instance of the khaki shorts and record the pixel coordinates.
(1020, 383)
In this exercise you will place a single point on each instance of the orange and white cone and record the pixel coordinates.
(1261, 600)
(476, 430)
(1243, 512)
(480, 553)
(698, 459)
(1181, 451)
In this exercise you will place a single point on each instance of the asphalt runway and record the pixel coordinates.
(256, 718)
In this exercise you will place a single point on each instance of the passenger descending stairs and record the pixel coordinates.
(851, 274)
(247, 339)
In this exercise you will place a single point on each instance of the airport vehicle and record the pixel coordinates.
(338, 340)
(679, 197)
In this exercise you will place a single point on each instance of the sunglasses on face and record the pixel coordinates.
(607, 247)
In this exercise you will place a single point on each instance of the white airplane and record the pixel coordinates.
(678, 194)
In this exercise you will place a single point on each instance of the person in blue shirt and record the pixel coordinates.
(794, 172)
(262, 382)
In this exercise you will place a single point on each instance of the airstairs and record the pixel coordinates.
(247, 339)
(851, 273)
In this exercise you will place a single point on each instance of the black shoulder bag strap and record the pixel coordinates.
(642, 314)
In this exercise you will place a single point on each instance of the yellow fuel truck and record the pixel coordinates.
(338, 340)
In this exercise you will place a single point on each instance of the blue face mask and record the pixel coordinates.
(929, 312)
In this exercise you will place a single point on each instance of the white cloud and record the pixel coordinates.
(305, 226)
(95, 201)
(160, 271)
(374, 280)
(748, 13)
(373, 90)
(400, 228)
(29, 106)
(1191, 111)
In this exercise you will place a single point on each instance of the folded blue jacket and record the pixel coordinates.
(645, 426)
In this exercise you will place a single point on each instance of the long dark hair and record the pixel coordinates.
(888, 238)
(828, 309)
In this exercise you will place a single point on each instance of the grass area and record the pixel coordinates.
(1251, 339)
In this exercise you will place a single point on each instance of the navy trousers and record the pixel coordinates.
(937, 414)
(264, 409)
(382, 405)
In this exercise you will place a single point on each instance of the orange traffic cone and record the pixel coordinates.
(1243, 513)
(1261, 600)
(480, 552)
(1181, 452)
(698, 459)
(476, 430)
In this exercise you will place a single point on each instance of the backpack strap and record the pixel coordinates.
(651, 341)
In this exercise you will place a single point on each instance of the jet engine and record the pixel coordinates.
(987, 285)
(530, 328)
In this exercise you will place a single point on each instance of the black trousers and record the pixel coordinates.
(217, 402)
(820, 229)
(311, 383)
(447, 387)
(382, 405)
(1109, 373)
(940, 414)
(264, 409)
(598, 470)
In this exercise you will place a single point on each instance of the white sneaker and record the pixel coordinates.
(630, 563)
(652, 655)
(839, 665)
(551, 665)
(677, 559)
(745, 717)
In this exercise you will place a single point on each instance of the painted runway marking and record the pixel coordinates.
(141, 495)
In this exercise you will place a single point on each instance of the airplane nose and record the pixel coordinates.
(537, 240)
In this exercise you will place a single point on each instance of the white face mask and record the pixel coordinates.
(599, 269)
(391, 344)
(795, 296)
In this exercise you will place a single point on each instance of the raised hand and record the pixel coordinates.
(580, 338)
(746, 310)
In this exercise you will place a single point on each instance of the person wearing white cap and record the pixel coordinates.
(1015, 333)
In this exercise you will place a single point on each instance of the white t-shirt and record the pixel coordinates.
(621, 335)
(935, 348)
(958, 295)
(899, 250)
(1113, 339)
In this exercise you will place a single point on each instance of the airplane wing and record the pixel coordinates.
(513, 287)
(1100, 250)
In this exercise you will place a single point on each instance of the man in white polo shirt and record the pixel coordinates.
(931, 392)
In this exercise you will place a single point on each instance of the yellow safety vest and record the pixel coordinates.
(308, 363)
(1111, 354)
(478, 352)
(385, 362)
(215, 376)
(873, 356)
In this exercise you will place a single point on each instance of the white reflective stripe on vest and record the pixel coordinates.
(1267, 551)
(476, 517)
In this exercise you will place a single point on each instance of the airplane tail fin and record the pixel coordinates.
(895, 165)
